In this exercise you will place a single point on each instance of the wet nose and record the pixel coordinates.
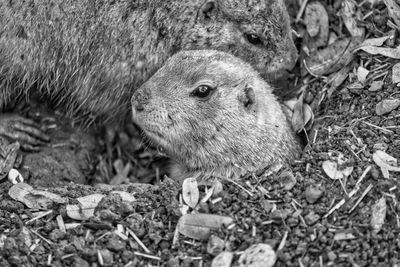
(141, 98)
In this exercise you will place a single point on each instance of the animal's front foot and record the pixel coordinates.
(23, 130)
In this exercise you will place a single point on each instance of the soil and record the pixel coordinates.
(291, 209)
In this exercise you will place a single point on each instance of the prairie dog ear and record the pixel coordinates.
(254, 102)
(208, 10)
(248, 99)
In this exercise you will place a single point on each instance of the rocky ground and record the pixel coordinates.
(335, 206)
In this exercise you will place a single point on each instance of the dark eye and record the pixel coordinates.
(202, 91)
(253, 39)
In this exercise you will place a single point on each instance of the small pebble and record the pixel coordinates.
(15, 177)
(331, 256)
(288, 180)
(386, 106)
(56, 234)
(215, 245)
(115, 244)
(311, 218)
(224, 259)
(258, 255)
(107, 256)
(313, 193)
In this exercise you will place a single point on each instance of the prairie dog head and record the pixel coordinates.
(257, 31)
(210, 110)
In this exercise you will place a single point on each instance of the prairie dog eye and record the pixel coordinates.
(253, 39)
(203, 92)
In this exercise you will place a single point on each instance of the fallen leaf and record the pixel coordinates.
(350, 14)
(331, 169)
(85, 207)
(385, 162)
(386, 106)
(298, 115)
(375, 86)
(396, 73)
(190, 192)
(258, 255)
(224, 259)
(374, 41)
(337, 78)
(34, 199)
(199, 226)
(384, 51)
(302, 116)
(333, 57)
(316, 20)
(362, 74)
(378, 215)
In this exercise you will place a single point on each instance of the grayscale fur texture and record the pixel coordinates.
(89, 56)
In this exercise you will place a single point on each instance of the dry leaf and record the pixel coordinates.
(396, 73)
(331, 169)
(199, 226)
(85, 207)
(378, 215)
(34, 199)
(298, 115)
(333, 57)
(258, 255)
(349, 14)
(385, 162)
(362, 74)
(337, 79)
(190, 192)
(386, 106)
(384, 51)
(393, 10)
(374, 41)
(316, 20)
(375, 86)
(302, 115)
(224, 259)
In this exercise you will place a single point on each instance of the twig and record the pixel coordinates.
(42, 237)
(377, 127)
(61, 224)
(283, 241)
(301, 11)
(147, 256)
(137, 240)
(351, 194)
(241, 187)
(370, 186)
(39, 216)
(366, 171)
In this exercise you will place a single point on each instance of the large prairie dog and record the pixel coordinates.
(214, 115)
(90, 56)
